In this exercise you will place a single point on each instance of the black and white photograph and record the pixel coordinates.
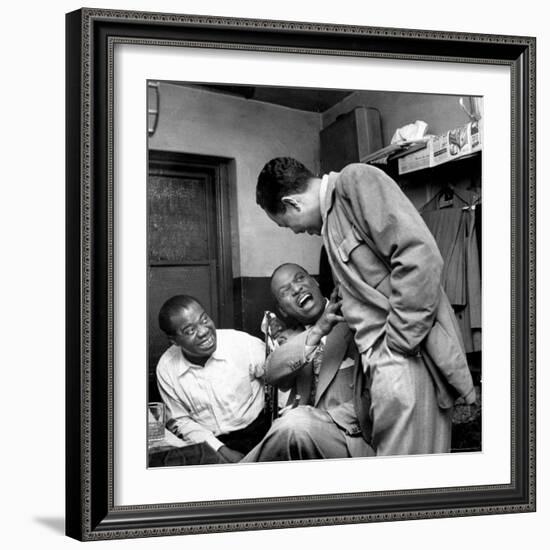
(300, 275)
(314, 261)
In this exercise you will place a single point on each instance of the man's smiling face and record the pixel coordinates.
(194, 332)
(297, 293)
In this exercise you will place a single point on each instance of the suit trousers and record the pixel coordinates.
(406, 418)
(307, 433)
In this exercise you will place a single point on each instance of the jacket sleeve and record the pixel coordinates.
(385, 214)
(285, 362)
(345, 416)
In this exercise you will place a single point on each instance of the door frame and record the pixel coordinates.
(218, 167)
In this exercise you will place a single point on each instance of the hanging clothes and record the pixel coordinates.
(454, 229)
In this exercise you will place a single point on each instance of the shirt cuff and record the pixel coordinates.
(214, 442)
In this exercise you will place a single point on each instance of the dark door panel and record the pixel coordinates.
(179, 228)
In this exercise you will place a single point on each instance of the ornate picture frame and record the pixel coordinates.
(90, 365)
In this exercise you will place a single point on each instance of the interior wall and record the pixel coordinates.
(250, 133)
(440, 112)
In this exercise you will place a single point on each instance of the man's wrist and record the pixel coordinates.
(314, 336)
(214, 442)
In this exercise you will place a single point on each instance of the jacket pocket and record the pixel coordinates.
(382, 356)
(359, 260)
(348, 245)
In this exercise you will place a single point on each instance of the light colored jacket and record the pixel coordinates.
(389, 269)
(288, 367)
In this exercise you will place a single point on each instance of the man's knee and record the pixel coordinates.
(294, 424)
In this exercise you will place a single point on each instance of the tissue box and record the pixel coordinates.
(415, 161)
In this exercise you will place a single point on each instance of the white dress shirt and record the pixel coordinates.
(220, 397)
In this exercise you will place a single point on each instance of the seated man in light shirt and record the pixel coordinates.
(210, 381)
(319, 363)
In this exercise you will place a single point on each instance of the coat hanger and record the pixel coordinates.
(445, 198)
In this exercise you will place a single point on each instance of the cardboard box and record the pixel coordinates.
(451, 145)
(415, 161)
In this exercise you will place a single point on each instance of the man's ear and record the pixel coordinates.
(290, 202)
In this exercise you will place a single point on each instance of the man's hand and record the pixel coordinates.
(230, 455)
(330, 317)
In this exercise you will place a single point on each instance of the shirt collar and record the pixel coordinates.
(183, 364)
(323, 197)
(326, 194)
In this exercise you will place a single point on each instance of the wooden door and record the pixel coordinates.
(188, 248)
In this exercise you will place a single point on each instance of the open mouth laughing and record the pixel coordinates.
(305, 300)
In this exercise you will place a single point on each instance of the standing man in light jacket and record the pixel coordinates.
(388, 267)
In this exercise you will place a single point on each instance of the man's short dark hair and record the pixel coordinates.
(286, 264)
(170, 308)
(280, 177)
